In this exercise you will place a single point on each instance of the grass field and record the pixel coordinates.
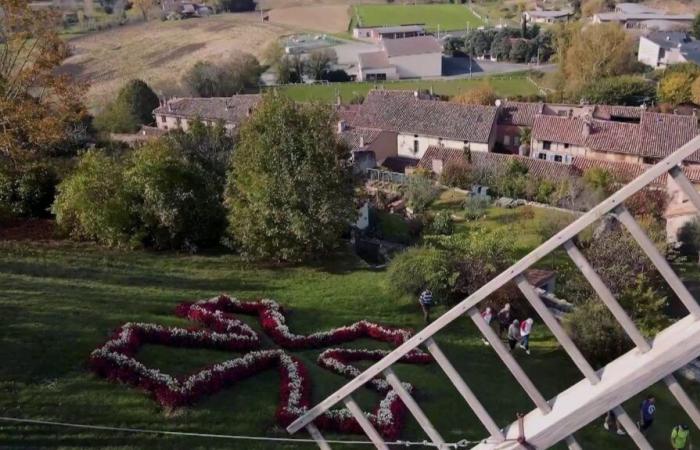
(160, 52)
(446, 16)
(61, 300)
(513, 85)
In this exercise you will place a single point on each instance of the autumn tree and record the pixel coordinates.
(289, 191)
(144, 7)
(41, 112)
(676, 88)
(482, 94)
(594, 52)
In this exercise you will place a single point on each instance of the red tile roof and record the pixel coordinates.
(401, 111)
(655, 136)
(519, 113)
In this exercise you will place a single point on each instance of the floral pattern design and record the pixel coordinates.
(116, 360)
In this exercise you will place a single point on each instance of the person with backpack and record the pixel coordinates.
(426, 302)
(503, 317)
(513, 334)
(647, 411)
(525, 330)
(679, 437)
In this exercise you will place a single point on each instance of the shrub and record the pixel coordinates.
(596, 332)
(237, 5)
(442, 223)
(132, 108)
(117, 118)
(93, 204)
(456, 174)
(483, 94)
(418, 268)
(623, 90)
(393, 228)
(676, 88)
(178, 204)
(420, 192)
(289, 189)
(475, 208)
(27, 191)
(689, 238)
(238, 74)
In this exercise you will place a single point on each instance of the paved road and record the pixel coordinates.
(453, 67)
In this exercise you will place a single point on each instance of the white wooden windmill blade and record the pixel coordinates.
(600, 391)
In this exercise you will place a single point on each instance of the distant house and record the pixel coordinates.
(633, 15)
(663, 48)
(414, 57)
(178, 113)
(646, 138)
(539, 16)
(394, 32)
(411, 123)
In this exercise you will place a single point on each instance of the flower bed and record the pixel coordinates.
(115, 360)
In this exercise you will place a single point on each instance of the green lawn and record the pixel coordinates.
(446, 16)
(59, 301)
(505, 86)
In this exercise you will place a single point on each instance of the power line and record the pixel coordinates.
(460, 444)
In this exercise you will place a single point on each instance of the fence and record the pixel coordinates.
(600, 391)
(386, 176)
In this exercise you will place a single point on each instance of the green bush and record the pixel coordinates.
(442, 224)
(596, 332)
(236, 75)
(132, 108)
(475, 208)
(420, 192)
(178, 204)
(418, 268)
(93, 203)
(155, 199)
(27, 191)
(393, 228)
(623, 90)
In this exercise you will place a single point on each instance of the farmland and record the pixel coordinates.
(444, 16)
(160, 52)
(508, 86)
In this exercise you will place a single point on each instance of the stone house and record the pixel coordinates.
(177, 113)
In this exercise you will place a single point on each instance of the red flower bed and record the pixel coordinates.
(115, 360)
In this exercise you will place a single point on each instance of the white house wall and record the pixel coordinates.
(405, 145)
(648, 52)
(418, 66)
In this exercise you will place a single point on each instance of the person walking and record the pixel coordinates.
(513, 334)
(611, 419)
(426, 302)
(503, 317)
(525, 330)
(487, 315)
(647, 412)
(679, 437)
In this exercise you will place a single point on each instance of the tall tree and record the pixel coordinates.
(696, 26)
(597, 51)
(318, 63)
(289, 191)
(41, 113)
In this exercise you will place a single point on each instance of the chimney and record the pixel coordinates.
(338, 100)
(249, 112)
(416, 94)
(362, 141)
(498, 102)
(341, 126)
(587, 126)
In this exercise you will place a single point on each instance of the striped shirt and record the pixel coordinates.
(426, 298)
